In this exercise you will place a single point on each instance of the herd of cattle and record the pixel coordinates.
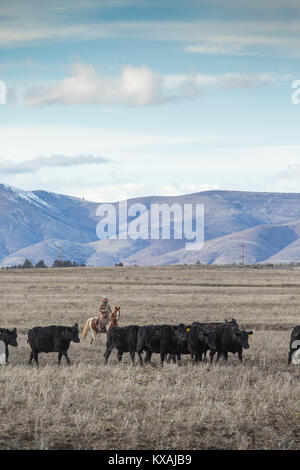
(170, 341)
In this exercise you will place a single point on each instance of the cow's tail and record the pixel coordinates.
(85, 330)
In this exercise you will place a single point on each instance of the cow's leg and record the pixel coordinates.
(119, 356)
(225, 355)
(107, 353)
(67, 358)
(132, 355)
(148, 357)
(162, 357)
(178, 355)
(219, 354)
(196, 358)
(30, 357)
(211, 355)
(35, 355)
(140, 358)
(240, 354)
(6, 353)
(59, 357)
(290, 356)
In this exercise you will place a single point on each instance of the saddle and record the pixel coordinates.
(96, 326)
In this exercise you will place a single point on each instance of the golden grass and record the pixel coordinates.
(92, 406)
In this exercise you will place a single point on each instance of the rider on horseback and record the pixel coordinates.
(104, 311)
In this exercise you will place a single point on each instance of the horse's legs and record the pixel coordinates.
(92, 335)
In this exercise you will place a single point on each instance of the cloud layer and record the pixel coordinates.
(30, 166)
(136, 86)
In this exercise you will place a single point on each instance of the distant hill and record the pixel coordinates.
(37, 224)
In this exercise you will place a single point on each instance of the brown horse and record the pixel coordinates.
(93, 324)
(114, 318)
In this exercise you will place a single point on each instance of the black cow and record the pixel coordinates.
(196, 341)
(229, 338)
(9, 337)
(52, 338)
(294, 343)
(212, 327)
(123, 339)
(200, 339)
(162, 339)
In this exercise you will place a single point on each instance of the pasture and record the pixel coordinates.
(88, 405)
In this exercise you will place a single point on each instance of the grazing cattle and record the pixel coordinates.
(123, 339)
(162, 339)
(229, 338)
(9, 337)
(200, 339)
(52, 338)
(212, 327)
(196, 341)
(294, 343)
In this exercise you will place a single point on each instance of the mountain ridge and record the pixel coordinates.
(37, 224)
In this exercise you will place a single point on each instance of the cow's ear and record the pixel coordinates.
(188, 329)
(250, 333)
(76, 324)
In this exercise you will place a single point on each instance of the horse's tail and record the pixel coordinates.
(85, 330)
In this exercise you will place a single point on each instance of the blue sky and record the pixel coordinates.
(112, 99)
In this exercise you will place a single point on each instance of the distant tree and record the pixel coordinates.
(40, 264)
(66, 263)
(27, 264)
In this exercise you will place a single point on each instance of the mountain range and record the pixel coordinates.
(39, 225)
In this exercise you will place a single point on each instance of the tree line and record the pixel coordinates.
(41, 264)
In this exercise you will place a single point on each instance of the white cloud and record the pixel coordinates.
(136, 86)
(218, 49)
(29, 166)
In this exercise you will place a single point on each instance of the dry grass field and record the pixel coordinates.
(88, 405)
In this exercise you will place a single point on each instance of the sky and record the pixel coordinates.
(113, 99)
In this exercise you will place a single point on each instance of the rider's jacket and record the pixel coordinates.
(104, 308)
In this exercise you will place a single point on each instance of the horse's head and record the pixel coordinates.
(116, 313)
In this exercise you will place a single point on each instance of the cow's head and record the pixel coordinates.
(9, 336)
(241, 337)
(182, 332)
(73, 333)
